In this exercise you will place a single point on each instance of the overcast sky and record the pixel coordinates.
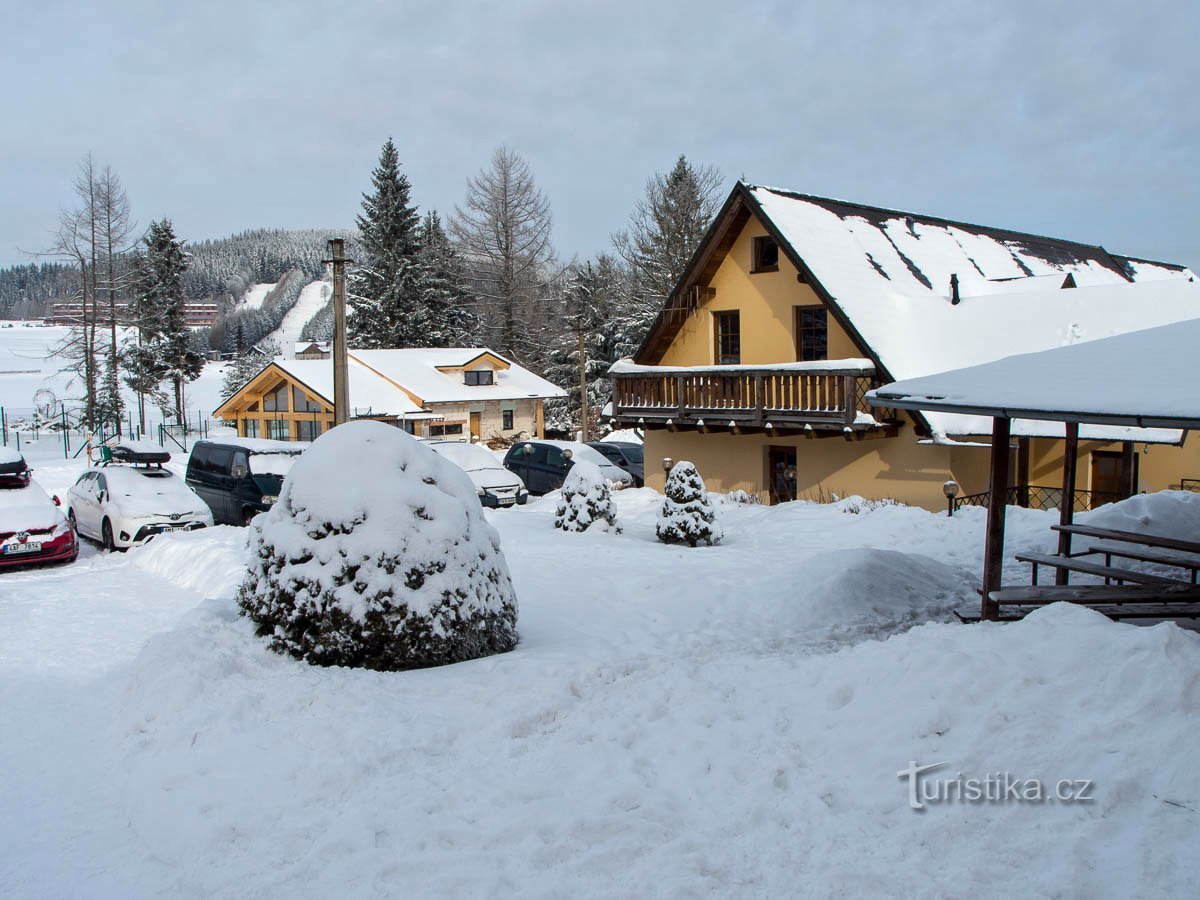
(1069, 119)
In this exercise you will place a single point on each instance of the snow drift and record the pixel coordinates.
(383, 563)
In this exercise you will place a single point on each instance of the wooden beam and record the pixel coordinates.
(993, 545)
(1066, 512)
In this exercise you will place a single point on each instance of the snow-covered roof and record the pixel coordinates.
(890, 273)
(369, 394)
(418, 370)
(1143, 379)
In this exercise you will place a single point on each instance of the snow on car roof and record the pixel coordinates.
(22, 509)
(468, 457)
(262, 445)
(9, 456)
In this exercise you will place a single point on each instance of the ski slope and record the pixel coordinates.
(255, 296)
(312, 298)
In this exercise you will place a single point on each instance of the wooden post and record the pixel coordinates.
(583, 399)
(1023, 472)
(341, 388)
(1066, 512)
(993, 545)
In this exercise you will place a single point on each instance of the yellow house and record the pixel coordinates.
(794, 306)
(458, 393)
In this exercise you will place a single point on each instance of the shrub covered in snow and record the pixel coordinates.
(586, 500)
(377, 555)
(687, 516)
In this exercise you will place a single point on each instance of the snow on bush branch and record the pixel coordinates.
(387, 564)
(586, 500)
(687, 515)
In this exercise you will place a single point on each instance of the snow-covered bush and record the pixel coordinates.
(687, 516)
(586, 500)
(377, 555)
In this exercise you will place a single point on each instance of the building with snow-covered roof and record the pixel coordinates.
(795, 306)
(446, 392)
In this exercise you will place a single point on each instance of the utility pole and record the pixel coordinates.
(341, 390)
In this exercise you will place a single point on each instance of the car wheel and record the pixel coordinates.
(106, 533)
(71, 519)
(248, 516)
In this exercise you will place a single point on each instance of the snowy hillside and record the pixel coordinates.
(724, 721)
(314, 296)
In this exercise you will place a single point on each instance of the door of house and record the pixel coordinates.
(781, 474)
(475, 425)
(1114, 474)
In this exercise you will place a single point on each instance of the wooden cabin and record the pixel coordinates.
(458, 393)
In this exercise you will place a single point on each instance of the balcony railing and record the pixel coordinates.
(826, 395)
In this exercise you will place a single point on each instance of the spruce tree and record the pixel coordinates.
(687, 515)
(384, 286)
(445, 307)
(664, 231)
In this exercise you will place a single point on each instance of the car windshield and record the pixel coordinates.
(468, 457)
(632, 453)
(277, 464)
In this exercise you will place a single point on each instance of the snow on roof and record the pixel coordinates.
(369, 394)
(890, 273)
(418, 371)
(1144, 379)
(628, 367)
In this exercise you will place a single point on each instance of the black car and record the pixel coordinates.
(240, 477)
(625, 454)
(543, 465)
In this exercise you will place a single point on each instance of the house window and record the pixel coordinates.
(301, 403)
(506, 420)
(478, 376)
(766, 255)
(250, 428)
(455, 429)
(276, 401)
(727, 326)
(307, 430)
(812, 333)
(277, 430)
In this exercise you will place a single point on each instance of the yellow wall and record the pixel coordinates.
(765, 302)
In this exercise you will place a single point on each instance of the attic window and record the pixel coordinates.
(766, 255)
(478, 376)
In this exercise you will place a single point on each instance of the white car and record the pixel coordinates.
(495, 485)
(123, 506)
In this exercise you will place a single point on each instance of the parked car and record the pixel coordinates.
(496, 485)
(544, 464)
(33, 528)
(625, 454)
(128, 501)
(240, 477)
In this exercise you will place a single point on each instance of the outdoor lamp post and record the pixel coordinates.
(667, 462)
(950, 489)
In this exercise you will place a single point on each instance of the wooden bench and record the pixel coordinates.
(1162, 558)
(1078, 564)
(1129, 601)
(1131, 537)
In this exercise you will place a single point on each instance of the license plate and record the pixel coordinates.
(507, 501)
(28, 547)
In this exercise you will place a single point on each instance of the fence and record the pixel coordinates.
(1035, 496)
(24, 427)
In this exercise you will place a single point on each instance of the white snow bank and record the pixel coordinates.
(1169, 513)
(210, 561)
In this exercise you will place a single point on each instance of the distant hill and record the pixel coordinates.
(222, 270)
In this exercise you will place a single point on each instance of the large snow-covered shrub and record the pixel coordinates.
(377, 555)
(687, 516)
(586, 500)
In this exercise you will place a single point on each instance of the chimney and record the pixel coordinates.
(954, 298)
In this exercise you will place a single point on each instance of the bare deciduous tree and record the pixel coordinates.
(503, 231)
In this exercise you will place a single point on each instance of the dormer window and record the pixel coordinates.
(478, 376)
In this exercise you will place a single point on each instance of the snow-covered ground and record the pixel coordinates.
(255, 295)
(313, 296)
(721, 721)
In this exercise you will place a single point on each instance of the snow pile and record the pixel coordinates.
(388, 564)
(209, 561)
(1172, 513)
(586, 500)
(687, 516)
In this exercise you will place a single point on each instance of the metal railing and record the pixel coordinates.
(1035, 496)
(1189, 484)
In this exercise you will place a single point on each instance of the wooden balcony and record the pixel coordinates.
(820, 399)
